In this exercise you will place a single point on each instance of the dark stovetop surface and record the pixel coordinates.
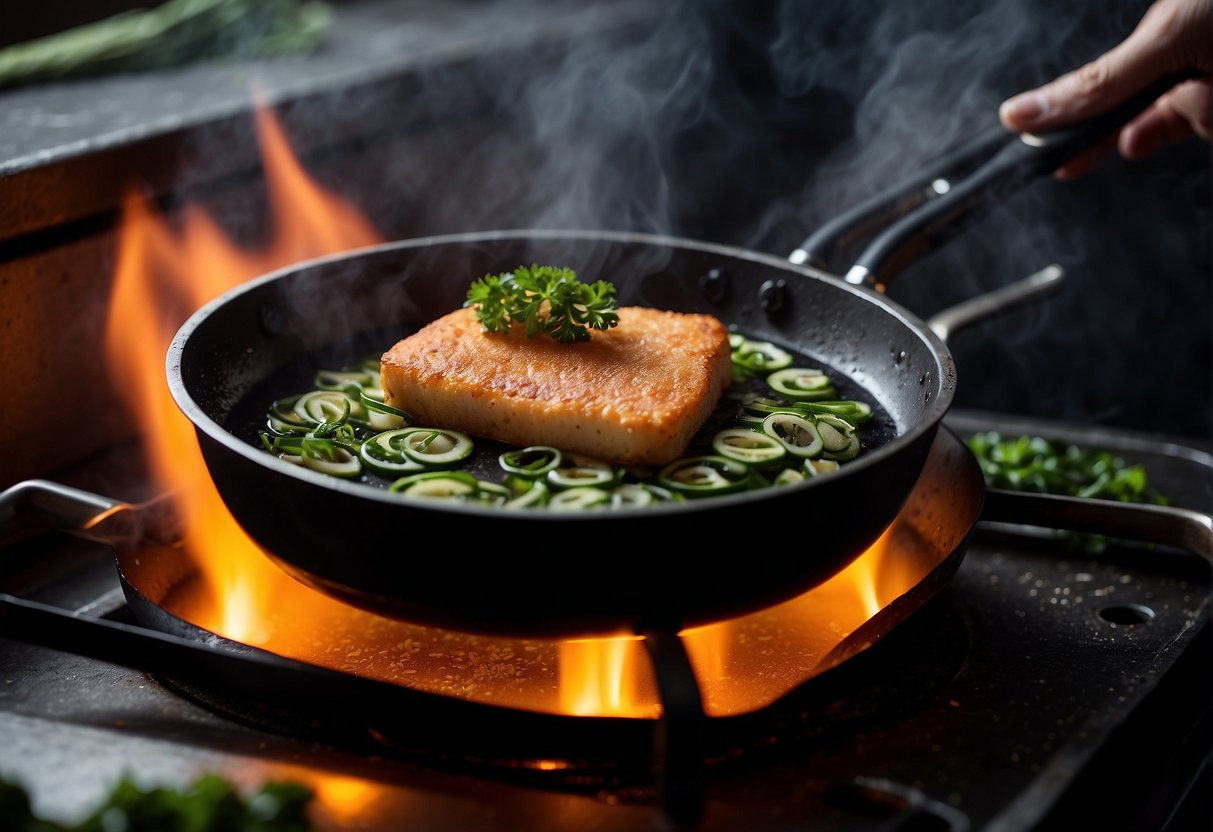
(1052, 706)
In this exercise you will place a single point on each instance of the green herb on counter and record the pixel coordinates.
(1051, 466)
(173, 33)
(210, 804)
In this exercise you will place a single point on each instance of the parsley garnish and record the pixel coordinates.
(546, 300)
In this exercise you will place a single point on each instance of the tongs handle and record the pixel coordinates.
(846, 230)
(941, 207)
(1166, 525)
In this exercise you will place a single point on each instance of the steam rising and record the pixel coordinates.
(752, 123)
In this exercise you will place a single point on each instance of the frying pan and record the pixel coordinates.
(479, 568)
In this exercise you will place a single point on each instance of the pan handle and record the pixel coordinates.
(947, 323)
(943, 210)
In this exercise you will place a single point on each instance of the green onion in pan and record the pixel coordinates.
(329, 457)
(797, 434)
(382, 416)
(701, 476)
(380, 454)
(801, 384)
(321, 406)
(817, 467)
(640, 494)
(580, 498)
(576, 471)
(752, 359)
(438, 485)
(854, 412)
(342, 380)
(434, 447)
(527, 493)
(533, 462)
(277, 427)
(789, 476)
(748, 446)
(835, 433)
(493, 494)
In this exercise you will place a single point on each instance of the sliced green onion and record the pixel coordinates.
(533, 462)
(748, 446)
(581, 498)
(380, 415)
(328, 457)
(280, 428)
(789, 476)
(321, 406)
(801, 383)
(631, 495)
(698, 476)
(817, 467)
(576, 471)
(850, 451)
(796, 433)
(438, 485)
(493, 494)
(832, 439)
(854, 412)
(663, 495)
(342, 380)
(381, 456)
(283, 410)
(533, 496)
(434, 447)
(754, 358)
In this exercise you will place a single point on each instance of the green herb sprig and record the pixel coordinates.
(544, 300)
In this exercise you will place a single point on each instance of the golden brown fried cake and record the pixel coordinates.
(632, 395)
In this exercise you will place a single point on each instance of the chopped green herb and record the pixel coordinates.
(1051, 466)
(545, 300)
(210, 804)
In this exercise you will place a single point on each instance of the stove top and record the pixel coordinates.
(1043, 685)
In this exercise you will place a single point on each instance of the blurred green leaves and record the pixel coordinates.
(1050, 466)
(211, 804)
(172, 34)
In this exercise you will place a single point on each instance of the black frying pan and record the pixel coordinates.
(482, 568)
(528, 572)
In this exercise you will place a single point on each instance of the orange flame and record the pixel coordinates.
(605, 676)
(162, 276)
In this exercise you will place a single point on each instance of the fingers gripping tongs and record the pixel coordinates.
(922, 214)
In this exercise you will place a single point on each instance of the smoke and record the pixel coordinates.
(752, 123)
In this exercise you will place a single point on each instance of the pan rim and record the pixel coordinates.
(932, 418)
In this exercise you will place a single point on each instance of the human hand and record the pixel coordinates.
(1173, 35)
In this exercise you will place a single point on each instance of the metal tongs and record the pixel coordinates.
(920, 215)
